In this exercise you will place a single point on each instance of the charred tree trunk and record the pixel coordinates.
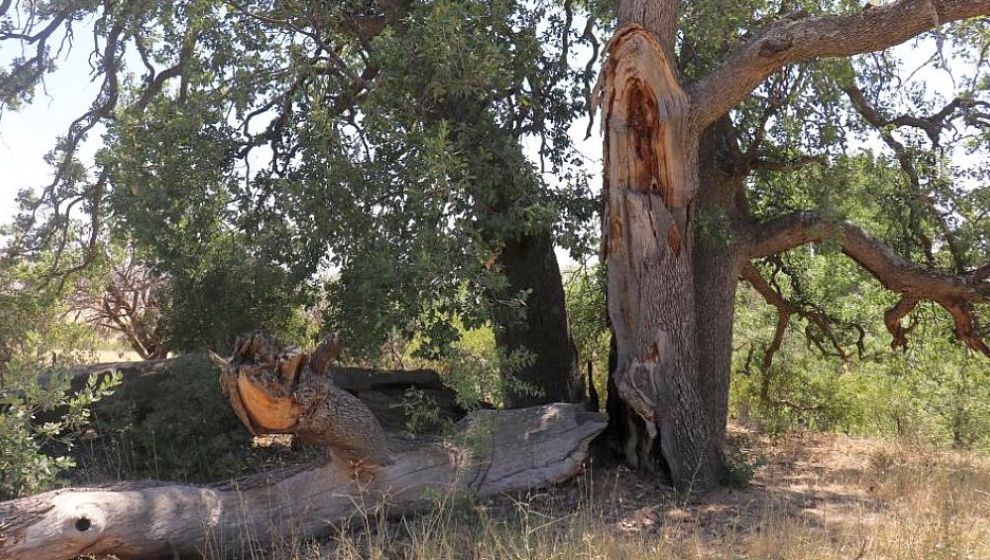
(530, 266)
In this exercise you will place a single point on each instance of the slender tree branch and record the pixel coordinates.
(892, 318)
(785, 166)
(797, 38)
(906, 159)
(784, 312)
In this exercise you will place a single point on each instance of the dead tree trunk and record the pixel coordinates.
(516, 450)
(651, 179)
(287, 391)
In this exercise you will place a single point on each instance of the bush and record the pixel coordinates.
(935, 392)
(186, 431)
(231, 293)
(587, 314)
(36, 452)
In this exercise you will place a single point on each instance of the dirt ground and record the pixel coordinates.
(813, 496)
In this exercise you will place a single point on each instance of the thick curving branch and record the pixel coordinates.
(797, 38)
(957, 293)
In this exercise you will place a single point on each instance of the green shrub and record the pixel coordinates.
(186, 431)
(935, 392)
(587, 316)
(36, 450)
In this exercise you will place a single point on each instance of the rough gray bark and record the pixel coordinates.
(717, 260)
(716, 278)
(672, 158)
(516, 450)
(651, 179)
(795, 37)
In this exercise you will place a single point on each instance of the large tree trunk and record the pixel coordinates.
(530, 266)
(670, 302)
(518, 450)
(718, 258)
(716, 276)
(651, 181)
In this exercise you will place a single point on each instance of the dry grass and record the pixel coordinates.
(819, 496)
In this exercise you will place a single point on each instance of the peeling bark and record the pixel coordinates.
(650, 183)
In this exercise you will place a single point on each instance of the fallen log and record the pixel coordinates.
(501, 451)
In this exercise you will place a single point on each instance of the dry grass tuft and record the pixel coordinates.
(819, 496)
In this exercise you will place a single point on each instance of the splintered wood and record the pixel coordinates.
(261, 383)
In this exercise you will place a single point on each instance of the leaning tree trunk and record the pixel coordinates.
(530, 266)
(526, 259)
(651, 179)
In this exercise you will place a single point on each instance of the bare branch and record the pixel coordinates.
(798, 38)
(155, 82)
(932, 126)
(126, 305)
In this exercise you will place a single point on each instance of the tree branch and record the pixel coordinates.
(933, 127)
(784, 312)
(796, 38)
(786, 166)
(955, 292)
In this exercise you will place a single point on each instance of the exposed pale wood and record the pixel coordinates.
(651, 180)
(516, 450)
(268, 413)
(281, 393)
(382, 391)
